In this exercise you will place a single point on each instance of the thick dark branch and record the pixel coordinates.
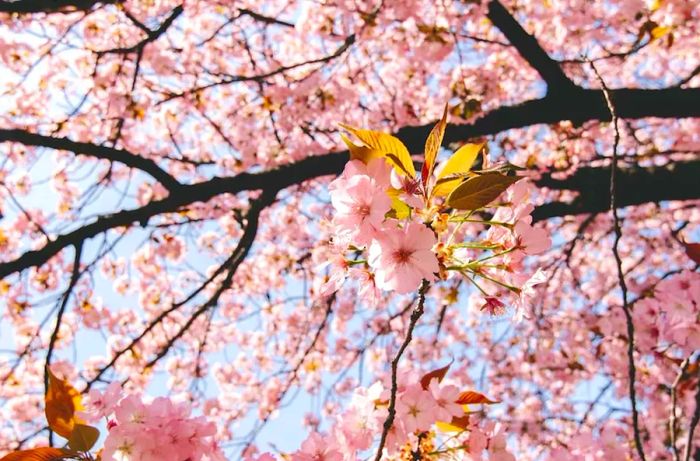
(51, 6)
(635, 186)
(270, 181)
(93, 150)
(529, 48)
(577, 106)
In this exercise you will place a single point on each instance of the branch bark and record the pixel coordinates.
(529, 48)
(53, 6)
(92, 150)
(635, 185)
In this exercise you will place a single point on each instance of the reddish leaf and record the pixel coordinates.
(439, 374)
(432, 146)
(471, 397)
(693, 251)
(36, 454)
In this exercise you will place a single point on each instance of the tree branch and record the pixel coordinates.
(415, 316)
(75, 276)
(53, 6)
(693, 424)
(93, 150)
(263, 18)
(635, 185)
(632, 369)
(529, 48)
(239, 254)
(151, 35)
(672, 421)
(577, 106)
(270, 181)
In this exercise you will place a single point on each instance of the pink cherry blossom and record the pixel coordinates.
(531, 239)
(100, 404)
(445, 396)
(417, 409)
(317, 448)
(360, 208)
(401, 258)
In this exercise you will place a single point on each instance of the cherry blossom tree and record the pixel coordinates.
(212, 209)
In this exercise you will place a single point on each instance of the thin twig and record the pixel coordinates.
(620, 274)
(674, 402)
(415, 315)
(693, 425)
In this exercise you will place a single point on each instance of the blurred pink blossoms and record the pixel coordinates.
(151, 430)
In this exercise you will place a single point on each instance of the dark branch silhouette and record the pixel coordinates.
(122, 156)
(51, 6)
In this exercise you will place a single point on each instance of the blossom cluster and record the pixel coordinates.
(667, 320)
(151, 430)
(401, 229)
(431, 419)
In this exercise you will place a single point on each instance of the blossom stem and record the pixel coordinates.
(457, 227)
(355, 262)
(496, 281)
(495, 255)
(481, 221)
(477, 245)
(471, 279)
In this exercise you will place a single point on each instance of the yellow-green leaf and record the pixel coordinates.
(399, 208)
(62, 401)
(459, 164)
(479, 191)
(361, 153)
(389, 145)
(432, 146)
(35, 454)
(83, 437)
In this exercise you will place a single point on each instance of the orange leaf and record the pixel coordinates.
(62, 401)
(35, 454)
(471, 397)
(432, 146)
(439, 374)
(693, 251)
